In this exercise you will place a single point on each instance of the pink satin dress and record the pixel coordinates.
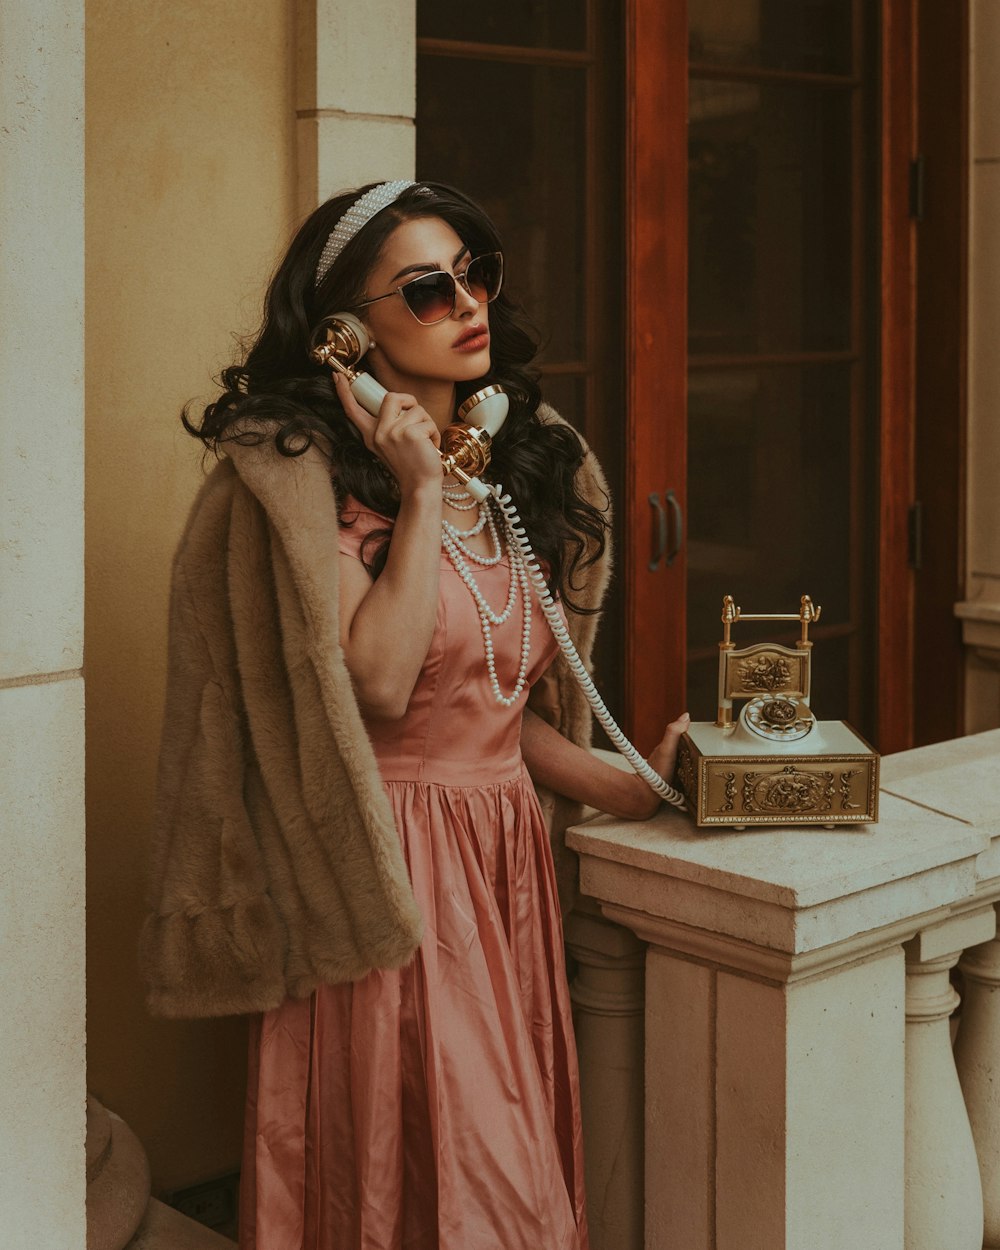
(435, 1107)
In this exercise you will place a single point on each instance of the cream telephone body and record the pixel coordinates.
(340, 342)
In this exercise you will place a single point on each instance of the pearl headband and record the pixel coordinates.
(359, 214)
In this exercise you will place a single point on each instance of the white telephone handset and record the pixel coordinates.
(344, 340)
(340, 342)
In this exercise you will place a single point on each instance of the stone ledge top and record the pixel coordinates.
(797, 890)
(791, 866)
(960, 777)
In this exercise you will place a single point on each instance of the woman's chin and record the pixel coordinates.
(476, 366)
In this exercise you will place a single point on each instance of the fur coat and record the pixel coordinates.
(275, 864)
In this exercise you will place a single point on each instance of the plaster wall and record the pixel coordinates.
(981, 611)
(42, 1095)
(190, 158)
(211, 130)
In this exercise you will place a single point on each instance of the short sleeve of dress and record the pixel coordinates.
(356, 524)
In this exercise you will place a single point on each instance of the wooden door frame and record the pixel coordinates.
(940, 398)
(656, 357)
(896, 385)
(656, 248)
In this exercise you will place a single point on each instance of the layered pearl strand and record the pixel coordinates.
(460, 555)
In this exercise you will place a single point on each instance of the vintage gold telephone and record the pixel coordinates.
(777, 764)
(340, 341)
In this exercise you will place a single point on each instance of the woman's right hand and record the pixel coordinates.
(403, 436)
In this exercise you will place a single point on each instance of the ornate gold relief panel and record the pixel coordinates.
(766, 669)
(773, 791)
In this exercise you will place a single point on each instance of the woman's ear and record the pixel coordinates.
(371, 337)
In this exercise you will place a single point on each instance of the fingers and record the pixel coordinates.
(400, 425)
(402, 436)
(664, 757)
(397, 413)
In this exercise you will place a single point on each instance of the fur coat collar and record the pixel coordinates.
(274, 863)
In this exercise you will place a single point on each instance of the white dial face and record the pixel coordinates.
(777, 718)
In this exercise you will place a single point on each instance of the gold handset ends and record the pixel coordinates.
(340, 342)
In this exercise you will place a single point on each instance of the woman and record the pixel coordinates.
(424, 1091)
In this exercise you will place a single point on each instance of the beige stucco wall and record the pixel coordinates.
(981, 609)
(210, 128)
(190, 143)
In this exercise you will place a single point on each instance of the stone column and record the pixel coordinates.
(356, 94)
(977, 1057)
(758, 1072)
(42, 1024)
(607, 993)
(944, 1199)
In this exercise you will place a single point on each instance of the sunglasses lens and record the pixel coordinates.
(430, 298)
(484, 276)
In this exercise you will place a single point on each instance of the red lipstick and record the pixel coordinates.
(474, 339)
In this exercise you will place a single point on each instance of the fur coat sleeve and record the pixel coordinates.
(275, 864)
(275, 861)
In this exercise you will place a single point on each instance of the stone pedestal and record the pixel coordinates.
(777, 1096)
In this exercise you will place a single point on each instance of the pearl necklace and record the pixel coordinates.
(460, 554)
(456, 496)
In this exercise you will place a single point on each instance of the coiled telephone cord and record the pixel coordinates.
(517, 535)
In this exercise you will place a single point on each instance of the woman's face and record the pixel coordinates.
(407, 351)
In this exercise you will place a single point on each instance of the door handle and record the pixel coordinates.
(662, 527)
(660, 522)
(674, 504)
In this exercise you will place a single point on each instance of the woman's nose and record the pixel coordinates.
(465, 301)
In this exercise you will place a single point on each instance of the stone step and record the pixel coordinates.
(163, 1228)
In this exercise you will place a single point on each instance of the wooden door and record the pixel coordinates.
(770, 331)
(706, 207)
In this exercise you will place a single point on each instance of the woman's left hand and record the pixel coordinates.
(663, 758)
(559, 764)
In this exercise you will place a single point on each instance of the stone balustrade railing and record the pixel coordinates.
(774, 1068)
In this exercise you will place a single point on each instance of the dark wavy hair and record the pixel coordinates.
(277, 381)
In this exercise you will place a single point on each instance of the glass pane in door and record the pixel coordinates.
(523, 23)
(526, 167)
(770, 227)
(781, 421)
(804, 35)
(770, 519)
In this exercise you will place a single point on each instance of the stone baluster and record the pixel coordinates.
(977, 1057)
(607, 993)
(944, 1197)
